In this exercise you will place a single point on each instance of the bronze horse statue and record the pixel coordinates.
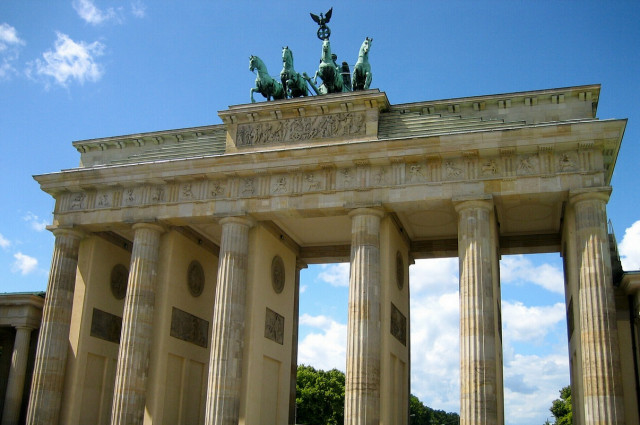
(362, 70)
(265, 84)
(332, 81)
(293, 83)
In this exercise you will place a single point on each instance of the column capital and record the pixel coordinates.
(461, 203)
(239, 219)
(589, 194)
(67, 231)
(149, 225)
(378, 212)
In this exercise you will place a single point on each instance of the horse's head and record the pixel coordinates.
(252, 63)
(326, 50)
(287, 56)
(366, 45)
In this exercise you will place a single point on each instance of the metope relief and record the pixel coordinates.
(452, 170)
(312, 183)
(567, 162)
(131, 196)
(280, 185)
(527, 164)
(296, 130)
(104, 200)
(217, 189)
(78, 201)
(417, 173)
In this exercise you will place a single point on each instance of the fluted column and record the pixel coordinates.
(601, 380)
(293, 379)
(478, 357)
(362, 387)
(47, 384)
(129, 395)
(227, 335)
(15, 385)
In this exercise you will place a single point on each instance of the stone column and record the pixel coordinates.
(362, 386)
(129, 395)
(227, 335)
(15, 385)
(47, 383)
(601, 380)
(294, 345)
(478, 358)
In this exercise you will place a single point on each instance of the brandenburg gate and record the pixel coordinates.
(174, 285)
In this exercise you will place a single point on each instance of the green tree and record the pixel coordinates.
(320, 401)
(319, 396)
(561, 408)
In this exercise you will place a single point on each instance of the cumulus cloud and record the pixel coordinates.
(518, 269)
(23, 263)
(70, 60)
(335, 274)
(35, 222)
(530, 324)
(531, 383)
(630, 248)
(4, 242)
(91, 14)
(325, 346)
(9, 49)
(435, 329)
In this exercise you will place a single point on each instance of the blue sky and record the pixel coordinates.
(73, 70)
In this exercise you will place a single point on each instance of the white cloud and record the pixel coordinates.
(630, 248)
(91, 14)
(36, 223)
(138, 9)
(70, 61)
(325, 349)
(519, 269)
(4, 242)
(23, 263)
(530, 324)
(531, 383)
(8, 37)
(335, 274)
(9, 49)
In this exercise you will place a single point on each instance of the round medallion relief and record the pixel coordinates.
(195, 278)
(399, 270)
(119, 277)
(277, 274)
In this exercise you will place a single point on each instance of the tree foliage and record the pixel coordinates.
(320, 401)
(419, 414)
(561, 408)
(319, 396)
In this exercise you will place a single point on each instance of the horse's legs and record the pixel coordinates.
(368, 82)
(251, 93)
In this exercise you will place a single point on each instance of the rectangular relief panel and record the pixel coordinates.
(274, 326)
(189, 328)
(106, 326)
(398, 325)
